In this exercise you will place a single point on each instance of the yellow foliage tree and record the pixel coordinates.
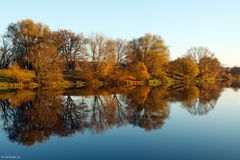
(185, 66)
(139, 71)
(151, 50)
(24, 35)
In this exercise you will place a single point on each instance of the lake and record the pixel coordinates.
(121, 123)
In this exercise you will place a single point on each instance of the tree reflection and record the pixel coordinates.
(198, 101)
(209, 94)
(34, 116)
(186, 95)
(18, 97)
(120, 111)
(73, 117)
(235, 85)
(34, 120)
(7, 110)
(107, 111)
(149, 108)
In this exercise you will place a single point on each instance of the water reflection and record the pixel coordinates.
(197, 100)
(148, 108)
(34, 116)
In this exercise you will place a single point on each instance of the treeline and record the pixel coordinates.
(63, 54)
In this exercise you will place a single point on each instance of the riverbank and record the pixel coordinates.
(17, 78)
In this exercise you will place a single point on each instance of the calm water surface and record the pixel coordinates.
(139, 123)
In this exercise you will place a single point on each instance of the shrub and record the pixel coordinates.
(17, 74)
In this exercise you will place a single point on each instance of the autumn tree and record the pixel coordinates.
(118, 50)
(139, 71)
(235, 71)
(183, 66)
(45, 61)
(24, 35)
(209, 65)
(102, 54)
(73, 47)
(151, 50)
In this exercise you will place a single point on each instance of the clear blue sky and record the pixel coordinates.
(182, 23)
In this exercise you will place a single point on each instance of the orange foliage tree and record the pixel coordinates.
(46, 62)
(139, 71)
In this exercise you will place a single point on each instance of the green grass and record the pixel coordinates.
(154, 82)
(4, 91)
(6, 79)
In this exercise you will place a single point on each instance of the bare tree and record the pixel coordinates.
(102, 53)
(6, 54)
(197, 53)
(121, 51)
(208, 64)
(96, 42)
(72, 47)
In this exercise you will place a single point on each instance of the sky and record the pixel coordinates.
(181, 23)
